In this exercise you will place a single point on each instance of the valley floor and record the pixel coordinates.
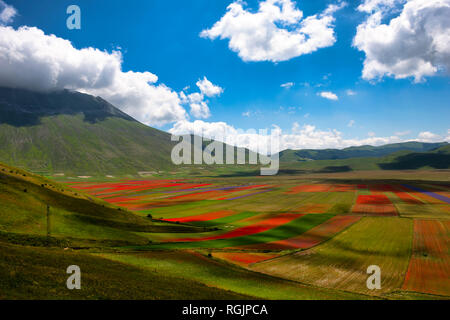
(282, 237)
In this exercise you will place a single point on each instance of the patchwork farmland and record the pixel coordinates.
(318, 232)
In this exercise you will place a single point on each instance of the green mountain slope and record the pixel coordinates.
(436, 159)
(357, 152)
(74, 133)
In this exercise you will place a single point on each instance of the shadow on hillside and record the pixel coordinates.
(418, 160)
(332, 169)
(248, 173)
(253, 173)
(19, 107)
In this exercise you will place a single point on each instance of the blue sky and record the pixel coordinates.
(162, 37)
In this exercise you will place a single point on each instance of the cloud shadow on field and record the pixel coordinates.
(331, 169)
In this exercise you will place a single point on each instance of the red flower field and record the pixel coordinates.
(204, 217)
(244, 258)
(429, 267)
(374, 205)
(373, 199)
(261, 226)
(405, 196)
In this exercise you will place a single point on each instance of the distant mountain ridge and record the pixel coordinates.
(401, 160)
(357, 152)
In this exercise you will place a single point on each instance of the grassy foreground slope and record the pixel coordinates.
(33, 266)
(40, 273)
(195, 266)
(23, 203)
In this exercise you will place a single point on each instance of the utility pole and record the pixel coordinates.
(48, 221)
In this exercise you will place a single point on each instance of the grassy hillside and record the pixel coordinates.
(70, 145)
(40, 273)
(209, 271)
(75, 218)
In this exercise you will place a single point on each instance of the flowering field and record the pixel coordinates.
(260, 226)
(312, 237)
(263, 223)
(429, 267)
(374, 205)
(203, 217)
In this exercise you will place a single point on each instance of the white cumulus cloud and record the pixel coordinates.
(299, 137)
(415, 43)
(7, 13)
(208, 89)
(372, 5)
(328, 95)
(200, 110)
(277, 31)
(198, 104)
(31, 59)
(427, 136)
(448, 136)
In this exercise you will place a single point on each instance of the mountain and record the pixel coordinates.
(75, 133)
(401, 160)
(436, 159)
(357, 152)
(71, 133)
